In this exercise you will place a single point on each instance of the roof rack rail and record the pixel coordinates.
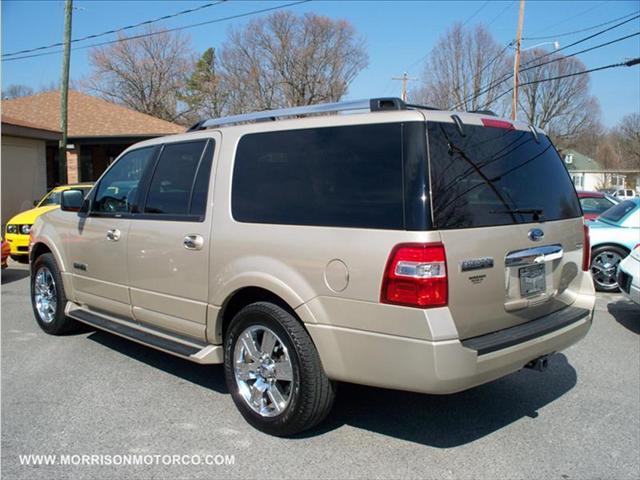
(484, 112)
(371, 105)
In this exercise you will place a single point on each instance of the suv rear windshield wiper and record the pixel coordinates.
(536, 212)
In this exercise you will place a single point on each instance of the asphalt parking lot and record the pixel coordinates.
(96, 394)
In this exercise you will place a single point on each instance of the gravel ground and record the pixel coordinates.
(96, 394)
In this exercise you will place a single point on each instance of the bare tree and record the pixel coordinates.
(16, 90)
(587, 141)
(286, 60)
(460, 67)
(626, 137)
(145, 74)
(564, 107)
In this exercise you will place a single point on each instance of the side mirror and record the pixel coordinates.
(71, 200)
(36, 202)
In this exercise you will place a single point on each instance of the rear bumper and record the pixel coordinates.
(430, 367)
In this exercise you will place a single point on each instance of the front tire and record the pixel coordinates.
(48, 298)
(273, 371)
(604, 267)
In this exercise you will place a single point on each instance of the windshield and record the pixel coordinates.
(496, 176)
(595, 205)
(616, 213)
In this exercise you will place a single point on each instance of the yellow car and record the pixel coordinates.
(18, 227)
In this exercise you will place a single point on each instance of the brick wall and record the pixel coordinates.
(72, 166)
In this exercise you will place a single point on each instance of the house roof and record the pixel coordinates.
(580, 162)
(20, 128)
(23, 123)
(88, 116)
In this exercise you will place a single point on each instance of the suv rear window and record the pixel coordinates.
(335, 176)
(494, 176)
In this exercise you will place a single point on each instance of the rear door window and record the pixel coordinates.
(496, 176)
(180, 181)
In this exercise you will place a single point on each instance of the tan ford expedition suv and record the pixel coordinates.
(372, 242)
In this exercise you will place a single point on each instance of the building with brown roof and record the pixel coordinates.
(24, 172)
(98, 131)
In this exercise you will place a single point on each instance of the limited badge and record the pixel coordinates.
(476, 264)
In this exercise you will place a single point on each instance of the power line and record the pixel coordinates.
(563, 57)
(507, 76)
(513, 2)
(423, 57)
(476, 12)
(117, 30)
(566, 34)
(499, 55)
(150, 34)
(586, 38)
(628, 63)
(574, 16)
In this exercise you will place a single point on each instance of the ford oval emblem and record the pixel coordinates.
(535, 234)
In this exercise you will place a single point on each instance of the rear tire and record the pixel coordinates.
(604, 267)
(273, 371)
(48, 299)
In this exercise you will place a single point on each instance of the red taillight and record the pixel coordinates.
(492, 122)
(416, 276)
(586, 249)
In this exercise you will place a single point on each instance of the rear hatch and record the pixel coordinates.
(510, 222)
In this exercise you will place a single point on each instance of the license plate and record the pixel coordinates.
(532, 280)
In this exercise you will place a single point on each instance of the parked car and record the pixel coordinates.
(613, 235)
(6, 249)
(595, 203)
(18, 227)
(629, 275)
(324, 248)
(624, 193)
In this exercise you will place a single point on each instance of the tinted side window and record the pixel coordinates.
(337, 176)
(119, 186)
(495, 176)
(173, 178)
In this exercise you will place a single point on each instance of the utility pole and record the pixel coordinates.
(64, 90)
(405, 78)
(516, 63)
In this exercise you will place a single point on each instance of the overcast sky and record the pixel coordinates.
(398, 35)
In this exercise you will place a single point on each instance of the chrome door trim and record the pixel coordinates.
(530, 256)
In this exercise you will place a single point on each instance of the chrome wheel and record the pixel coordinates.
(263, 371)
(604, 268)
(45, 295)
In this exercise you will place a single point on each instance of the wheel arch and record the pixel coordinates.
(38, 249)
(244, 296)
(610, 244)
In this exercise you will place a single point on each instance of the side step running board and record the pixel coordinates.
(199, 354)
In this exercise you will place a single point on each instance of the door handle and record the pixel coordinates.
(193, 242)
(113, 234)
